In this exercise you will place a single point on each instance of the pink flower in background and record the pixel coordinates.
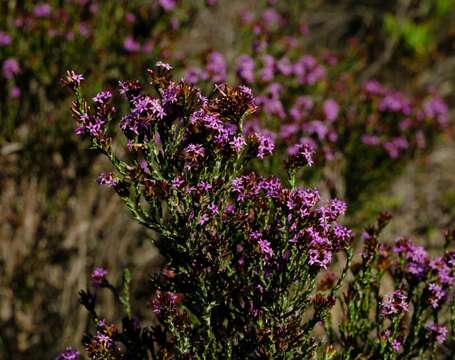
(130, 18)
(5, 38)
(440, 332)
(245, 68)
(10, 68)
(131, 45)
(42, 10)
(97, 276)
(331, 109)
(15, 92)
(371, 140)
(167, 5)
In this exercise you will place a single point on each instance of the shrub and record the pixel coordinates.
(246, 257)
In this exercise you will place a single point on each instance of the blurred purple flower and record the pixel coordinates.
(265, 248)
(131, 45)
(10, 68)
(331, 109)
(436, 108)
(68, 354)
(167, 5)
(97, 277)
(439, 332)
(245, 68)
(42, 10)
(15, 92)
(436, 295)
(216, 67)
(371, 140)
(284, 66)
(5, 38)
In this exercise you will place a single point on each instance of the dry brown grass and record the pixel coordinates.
(46, 253)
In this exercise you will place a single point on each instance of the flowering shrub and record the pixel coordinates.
(242, 251)
(246, 257)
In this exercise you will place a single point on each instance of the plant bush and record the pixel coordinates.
(247, 257)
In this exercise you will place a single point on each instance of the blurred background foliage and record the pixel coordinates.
(56, 224)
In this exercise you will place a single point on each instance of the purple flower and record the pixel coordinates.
(42, 10)
(177, 182)
(331, 109)
(265, 248)
(266, 145)
(302, 154)
(131, 45)
(167, 5)
(130, 18)
(439, 332)
(229, 209)
(90, 125)
(395, 102)
(245, 68)
(436, 108)
(163, 65)
(373, 87)
(301, 107)
(194, 74)
(10, 68)
(107, 178)
(73, 77)
(97, 277)
(396, 345)
(216, 67)
(271, 17)
(272, 187)
(102, 97)
(203, 219)
(320, 256)
(69, 354)
(103, 340)
(192, 153)
(169, 94)
(213, 209)
(15, 92)
(284, 66)
(443, 270)
(5, 38)
(394, 303)
(436, 295)
(371, 140)
(237, 143)
(416, 258)
(341, 236)
(267, 71)
(271, 106)
(204, 186)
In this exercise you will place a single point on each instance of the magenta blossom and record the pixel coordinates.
(97, 277)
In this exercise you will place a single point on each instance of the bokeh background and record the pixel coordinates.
(56, 223)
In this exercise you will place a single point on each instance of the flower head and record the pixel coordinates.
(394, 303)
(97, 277)
(68, 354)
